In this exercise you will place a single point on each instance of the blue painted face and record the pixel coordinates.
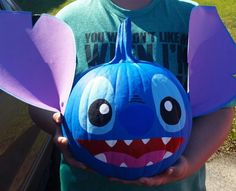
(128, 118)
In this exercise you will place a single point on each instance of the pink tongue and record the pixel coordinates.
(121, 159)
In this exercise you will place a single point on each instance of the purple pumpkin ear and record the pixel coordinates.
(37, 64)
(212, 62)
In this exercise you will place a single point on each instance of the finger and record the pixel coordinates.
(163, 178)
(58, 138)
(151, 181)
(62, 143)
(173, 173)
(180, 169)
(57, 118)
(125, 181)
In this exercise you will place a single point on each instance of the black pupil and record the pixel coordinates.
(100, 112)
(170, 111)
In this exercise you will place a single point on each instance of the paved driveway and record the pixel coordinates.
(221, 173)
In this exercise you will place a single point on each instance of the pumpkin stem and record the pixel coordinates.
(123, 51)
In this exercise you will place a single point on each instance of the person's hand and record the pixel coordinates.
(177, 172)
(62, 143)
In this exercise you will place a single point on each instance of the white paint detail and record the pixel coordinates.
(167, 155)
(149, 163)
(145, 141)
(101, 157)
(111, 143)
(128, 142)
(168, 106)
(166, 140)
(123, 165)
(104, 109)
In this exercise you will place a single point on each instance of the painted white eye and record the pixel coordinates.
(100, 113)
(96, 111)
(169, 103)
(104, 109)
(170, 111)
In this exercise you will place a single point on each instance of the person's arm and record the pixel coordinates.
(43, 119)
(50, 122)
(208, 133)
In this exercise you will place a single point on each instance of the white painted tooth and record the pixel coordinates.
(167, 155)
(166, 140)
(145, 141)
(111, 143)
(149, 163)
(123, 165)
(101, 157)
(128, 142)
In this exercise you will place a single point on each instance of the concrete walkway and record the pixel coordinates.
(221, 173)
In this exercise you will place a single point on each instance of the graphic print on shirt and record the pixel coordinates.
(166, 48)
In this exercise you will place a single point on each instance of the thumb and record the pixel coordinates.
(62, 142)
(57, 118)
(179, 169)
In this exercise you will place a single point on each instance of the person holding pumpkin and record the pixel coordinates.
(160, 34)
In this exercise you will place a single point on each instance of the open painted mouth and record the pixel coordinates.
(132, 153)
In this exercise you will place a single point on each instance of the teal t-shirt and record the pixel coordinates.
(82, 180)
(160, 34)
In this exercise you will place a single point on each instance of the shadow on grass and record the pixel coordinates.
(39, 6)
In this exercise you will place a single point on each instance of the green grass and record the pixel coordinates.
(42, 6)
(227, 11)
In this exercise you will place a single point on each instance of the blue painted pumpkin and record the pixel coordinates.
(127, 118)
